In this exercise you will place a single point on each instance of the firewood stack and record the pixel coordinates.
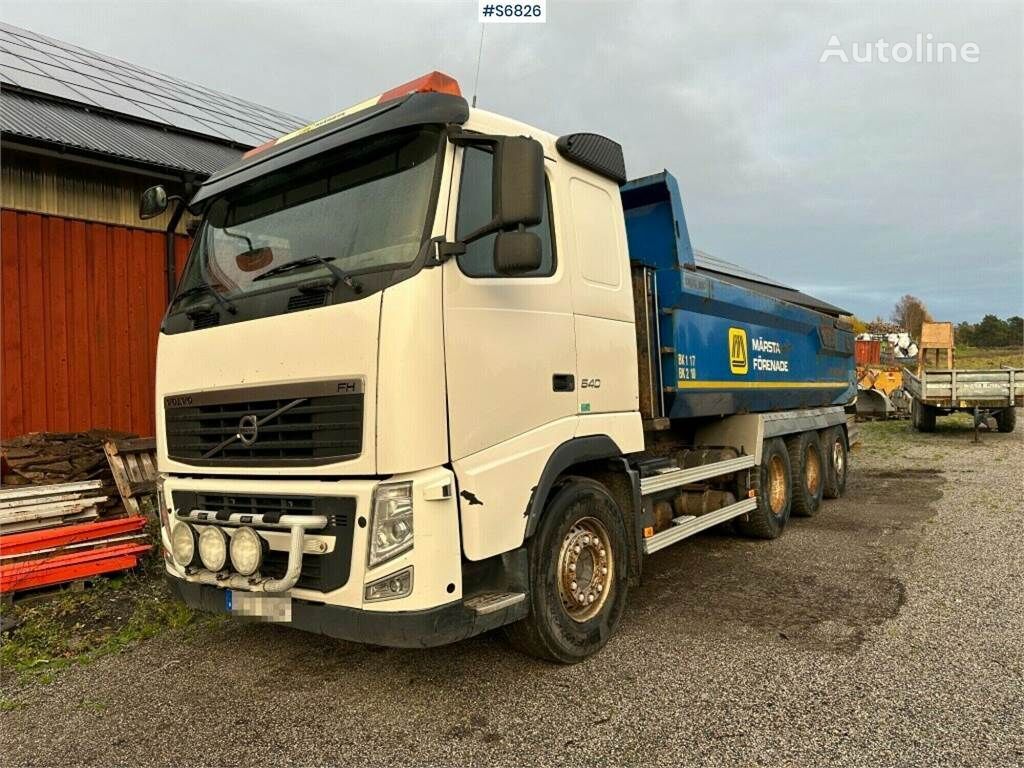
(46, 458)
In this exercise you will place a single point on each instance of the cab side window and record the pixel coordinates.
(475, 210)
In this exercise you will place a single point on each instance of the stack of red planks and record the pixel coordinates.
(61, 517)
(54, 555)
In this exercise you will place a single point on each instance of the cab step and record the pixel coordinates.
(489, 602)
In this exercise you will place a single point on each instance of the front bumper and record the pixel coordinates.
(402, 629)
(435, 557)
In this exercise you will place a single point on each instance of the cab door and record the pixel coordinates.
(510, 360)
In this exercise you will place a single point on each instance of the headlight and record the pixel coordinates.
(183, 544)
(390, 522)
(213, 548)
(246, 551)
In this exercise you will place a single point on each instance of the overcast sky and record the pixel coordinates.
(857, 182)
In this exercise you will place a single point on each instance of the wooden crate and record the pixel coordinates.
(133, 464)
(936, 338)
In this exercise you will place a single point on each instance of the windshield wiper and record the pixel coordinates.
(207, 288)
(310, 261)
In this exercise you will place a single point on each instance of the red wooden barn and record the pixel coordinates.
(84, 282)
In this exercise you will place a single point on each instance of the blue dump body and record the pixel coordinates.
(727, 346)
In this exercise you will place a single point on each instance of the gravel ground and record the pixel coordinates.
(887, 630)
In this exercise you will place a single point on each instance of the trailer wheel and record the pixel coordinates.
(837, 459)
(773, 483)
(578, 575)
(1006, 419)
(809, 472)
(922, 416)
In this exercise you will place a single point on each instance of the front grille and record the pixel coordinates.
(291, 427)
(322, 573)
(271, 506)
(275, 564)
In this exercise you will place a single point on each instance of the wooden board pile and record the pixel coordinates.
(26, 508)
(71, 528)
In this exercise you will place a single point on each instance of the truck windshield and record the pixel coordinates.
(342, 224)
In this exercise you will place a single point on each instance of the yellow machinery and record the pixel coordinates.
(880, 392)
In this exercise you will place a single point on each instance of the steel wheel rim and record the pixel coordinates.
(838, 461)
(586, 569)
(812, 464)
(776, 484)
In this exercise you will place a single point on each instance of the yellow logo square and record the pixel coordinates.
(737, 351)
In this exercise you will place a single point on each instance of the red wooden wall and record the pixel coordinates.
(82, 304)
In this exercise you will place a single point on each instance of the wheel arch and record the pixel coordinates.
(599, 458)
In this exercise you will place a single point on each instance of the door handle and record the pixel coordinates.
(563, 382)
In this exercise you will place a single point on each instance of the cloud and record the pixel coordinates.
(859, 181)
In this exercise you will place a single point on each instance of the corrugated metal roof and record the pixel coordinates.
(47, 66)
(743, 277)
(70, 126)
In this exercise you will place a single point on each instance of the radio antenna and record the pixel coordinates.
(479, 56)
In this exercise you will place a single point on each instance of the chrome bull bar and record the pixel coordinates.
(297, 525)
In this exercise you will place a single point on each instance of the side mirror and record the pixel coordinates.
(518, 182)
(516, 253)
(153, 202)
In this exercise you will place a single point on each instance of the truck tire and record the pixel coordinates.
(773, 483)
(1006, 420)
(579, 575)
(837, 461)
(809, 471)
(922, 416)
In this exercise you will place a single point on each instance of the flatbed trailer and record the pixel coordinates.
(997, 392)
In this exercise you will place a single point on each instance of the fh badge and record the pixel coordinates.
(738, 351)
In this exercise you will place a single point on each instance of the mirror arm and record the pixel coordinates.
(487, 229)
(170, 267)
(439, 250)
(468, 138)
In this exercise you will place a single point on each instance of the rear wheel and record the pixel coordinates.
(773, 485)
(922, 416)
(578, 575)
(808, 467)
(837, 460)
(1006, 419)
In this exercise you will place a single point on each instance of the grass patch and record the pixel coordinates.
(884, 435)
(77, 627)
(974, 358)
(890, 436)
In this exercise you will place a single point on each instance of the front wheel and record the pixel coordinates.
(578, 575)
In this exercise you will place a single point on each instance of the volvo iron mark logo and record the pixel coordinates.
(248, 429)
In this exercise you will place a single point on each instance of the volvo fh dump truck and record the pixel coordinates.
(430, 371)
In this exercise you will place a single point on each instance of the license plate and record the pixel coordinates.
(258, 605)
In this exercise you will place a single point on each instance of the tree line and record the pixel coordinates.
(992, 332)
(910, 313)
